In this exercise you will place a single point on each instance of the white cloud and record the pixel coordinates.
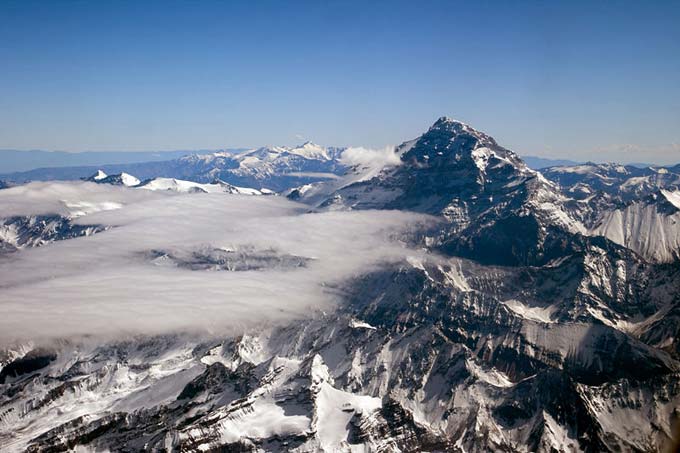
(371, 158)
(105, 285)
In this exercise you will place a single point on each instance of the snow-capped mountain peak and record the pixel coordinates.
(129, 180)
(310, 150)
(454, 127)
(178, 185)
(307, 150)
(120, 179)
(99, 175)
(451, 143)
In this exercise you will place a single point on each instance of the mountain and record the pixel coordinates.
(498, 210)
(626, 182)
(632, 206)
(537, 319)
(120, 179)
(272, 168)
(495, 207)
(540, 163)
(172, 184)
(451, 163)
(17, 232)
(177, 185)
(423, 356)
(98, 176)
(144, 170)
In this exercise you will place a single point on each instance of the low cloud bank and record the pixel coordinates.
(106, 285)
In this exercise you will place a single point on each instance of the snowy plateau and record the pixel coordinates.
(439, 296)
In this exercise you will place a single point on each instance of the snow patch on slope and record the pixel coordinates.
(672, 197)
(538, 314)
(643, 228)
(335, 408)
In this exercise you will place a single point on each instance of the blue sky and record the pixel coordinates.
(570, 79)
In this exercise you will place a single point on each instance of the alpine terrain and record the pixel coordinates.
(536, 311)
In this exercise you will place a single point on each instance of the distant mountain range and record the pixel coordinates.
(38, 165)
(276, 168)
(12, 161)
(538, 163)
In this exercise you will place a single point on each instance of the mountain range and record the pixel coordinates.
(543, 315)
(23, 160)
(36, 165)
(273, 168)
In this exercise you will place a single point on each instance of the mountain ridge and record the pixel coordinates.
(516, 327)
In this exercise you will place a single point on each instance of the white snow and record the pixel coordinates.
(492, 376)
(641, 227)
(455, 277)
(179, 185)
(310, 150)
(335, 408)
(481, 157)
(558, 437)
(538, 314)
(672, 197)
(263, 419)
(636, 181)
(356, 324)
(129, 180)
(257, 156)
(113, 386)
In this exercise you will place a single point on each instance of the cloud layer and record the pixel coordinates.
(106, 285)
(371, 158)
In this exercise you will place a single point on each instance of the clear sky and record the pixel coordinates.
(596, 80)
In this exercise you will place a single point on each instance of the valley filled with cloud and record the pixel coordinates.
(128, 279)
